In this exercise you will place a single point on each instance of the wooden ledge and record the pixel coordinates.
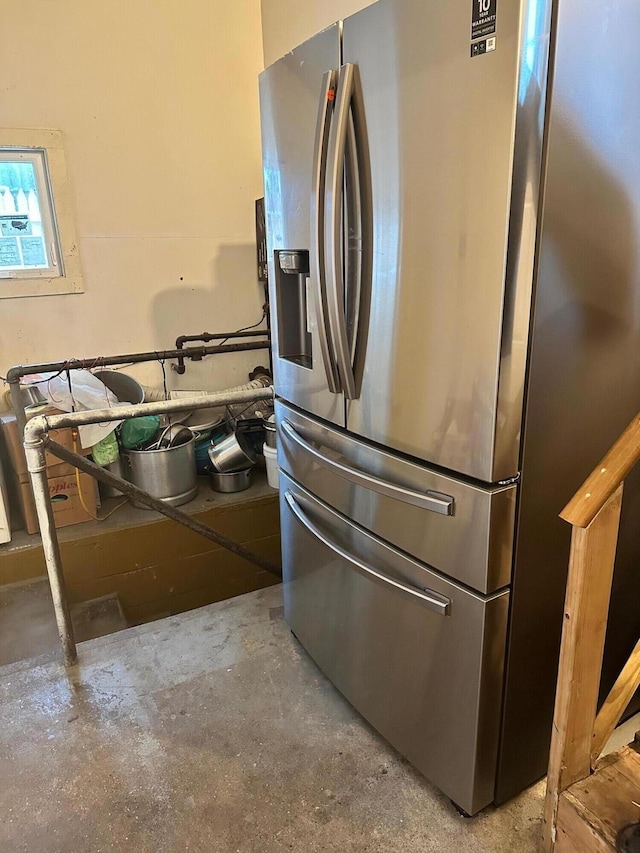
(592, 812)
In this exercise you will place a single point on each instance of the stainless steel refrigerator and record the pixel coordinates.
(453, 265)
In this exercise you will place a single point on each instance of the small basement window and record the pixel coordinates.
(28, 237)
(38, 246)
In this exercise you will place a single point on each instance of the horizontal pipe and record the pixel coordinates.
(41, 424)
(205, 337)
(140, 495)
(180, 368)
(15, 373)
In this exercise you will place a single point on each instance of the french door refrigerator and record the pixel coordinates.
(452, 354)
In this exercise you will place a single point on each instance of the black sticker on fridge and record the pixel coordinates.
(478, 48)
(483, 18)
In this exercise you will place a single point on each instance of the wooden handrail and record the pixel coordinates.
(579, 731)
(591, 563)
(605, 479)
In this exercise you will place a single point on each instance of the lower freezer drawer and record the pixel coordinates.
(419, 657)
(464, 531)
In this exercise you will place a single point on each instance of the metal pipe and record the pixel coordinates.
(41, 424)
(17, 403)
(35, 439)
(18, 371)
(138, 494)
(15, 373)
(37, 465)
(206, 337)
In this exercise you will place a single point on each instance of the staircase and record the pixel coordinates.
(591, 803)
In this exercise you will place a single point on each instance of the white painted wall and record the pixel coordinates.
(158, 104)
(287, 23)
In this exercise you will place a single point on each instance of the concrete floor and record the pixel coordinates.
(212, 731)
(28, 626)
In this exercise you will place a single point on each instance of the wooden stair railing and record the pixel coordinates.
(579, 731)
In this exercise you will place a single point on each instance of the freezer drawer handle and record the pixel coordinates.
(438, 603)
(430, 500)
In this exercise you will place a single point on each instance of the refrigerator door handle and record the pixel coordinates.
(318, 242)
(432, 600)
(360, 232)
(333, 228)
(430, 500)
(353, 228)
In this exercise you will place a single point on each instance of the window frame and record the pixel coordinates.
(58, 220)
(37, 157)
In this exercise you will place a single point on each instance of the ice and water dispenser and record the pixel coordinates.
(293, 306)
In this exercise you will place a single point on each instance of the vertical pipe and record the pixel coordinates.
(38, 471)
(17, 405)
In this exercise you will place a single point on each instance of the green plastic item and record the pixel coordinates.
(137, 432)
(106, 451)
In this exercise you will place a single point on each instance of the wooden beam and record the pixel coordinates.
(621, 694)
(592, 812)
(605, 479)
(575, 834)
(591, 564)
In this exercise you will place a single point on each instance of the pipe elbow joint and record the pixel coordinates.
(35, 430)
(34, 442)
(15, 373)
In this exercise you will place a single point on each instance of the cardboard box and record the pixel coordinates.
(66, 511)
(65, 500)
(11, 484)
(15, 450)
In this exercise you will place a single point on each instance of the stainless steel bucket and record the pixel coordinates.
(118, 469)
(232, 481)
(270, 435)
(233, 453)
(168, 473)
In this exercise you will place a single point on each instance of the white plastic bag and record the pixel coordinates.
(87, 392)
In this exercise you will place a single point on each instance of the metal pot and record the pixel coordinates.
(204, 420)
(116, 468)
(232, 481)
(270, 435)
(173, 436)
(233, 453)
(168, 473)
(31, 396)
(125, 387)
